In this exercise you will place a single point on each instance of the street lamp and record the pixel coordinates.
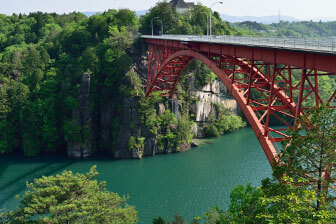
(152, 25)
(161, 27)
(207, 22)
(211, 13)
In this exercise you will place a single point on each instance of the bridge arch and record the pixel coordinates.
(186, 56)
(245, 70)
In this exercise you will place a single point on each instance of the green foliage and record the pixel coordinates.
(137, 144)
(43, 58)
(168, 130)
(70, 198)
(177, 220)
(131, 143)
(310, 153)
(148, 112)
(274, 203)
(191, 22)
(183, 133)
(203, 74)
(132, 85)
(245, 205)
(225, 121)
(72, 132)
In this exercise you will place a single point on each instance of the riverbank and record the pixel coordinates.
(202, 141)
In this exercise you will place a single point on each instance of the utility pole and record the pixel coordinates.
(152, 24)
(161, 27)
(211, 13)
(207, 21)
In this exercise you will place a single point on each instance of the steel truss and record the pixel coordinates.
(267, 91)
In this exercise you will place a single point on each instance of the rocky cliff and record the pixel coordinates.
(131, 126)
(213, 93)
(116, 124)
(82, 117)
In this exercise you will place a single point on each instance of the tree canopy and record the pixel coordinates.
(71, 198)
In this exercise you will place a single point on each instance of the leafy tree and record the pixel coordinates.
(223, 122)
(136, 143)
(133, 85)
(191, 22)
(272, 203)
(71, 198)
(203, 74)
(165, 13)
(127, 18)
(177, 220)
(310, 153)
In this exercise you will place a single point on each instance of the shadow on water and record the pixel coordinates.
(18, 184)
(5, 164)
(34, 168)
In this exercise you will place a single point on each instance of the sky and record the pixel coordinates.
(301, 9)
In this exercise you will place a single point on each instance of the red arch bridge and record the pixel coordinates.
(270, 78)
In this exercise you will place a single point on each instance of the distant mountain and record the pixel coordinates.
(324, 19)
(261, 19)
(138, 13)
(238, 19)
(88, 14)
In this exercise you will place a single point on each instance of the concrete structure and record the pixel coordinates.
(182, 6)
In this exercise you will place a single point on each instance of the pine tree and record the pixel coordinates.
(311, 154)
(70, 198)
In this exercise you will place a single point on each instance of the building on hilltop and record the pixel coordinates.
(182, 6)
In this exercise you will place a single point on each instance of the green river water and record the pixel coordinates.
(183, 183)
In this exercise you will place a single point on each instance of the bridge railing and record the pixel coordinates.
(320, 44)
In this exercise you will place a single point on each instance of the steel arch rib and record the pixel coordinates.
(253, 120)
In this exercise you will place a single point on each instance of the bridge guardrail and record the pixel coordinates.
(327, 45)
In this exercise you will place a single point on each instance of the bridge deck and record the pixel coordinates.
(321, 46)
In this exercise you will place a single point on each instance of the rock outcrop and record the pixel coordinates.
(115, 124)
(83, 118)
(129, 125)
(213, 93)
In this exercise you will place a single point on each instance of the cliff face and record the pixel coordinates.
(116, 124)
(82, 117)
(130, 125)
(213, 93)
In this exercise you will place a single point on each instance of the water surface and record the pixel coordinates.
(185, 183)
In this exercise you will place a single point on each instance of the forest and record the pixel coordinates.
(44, 57)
